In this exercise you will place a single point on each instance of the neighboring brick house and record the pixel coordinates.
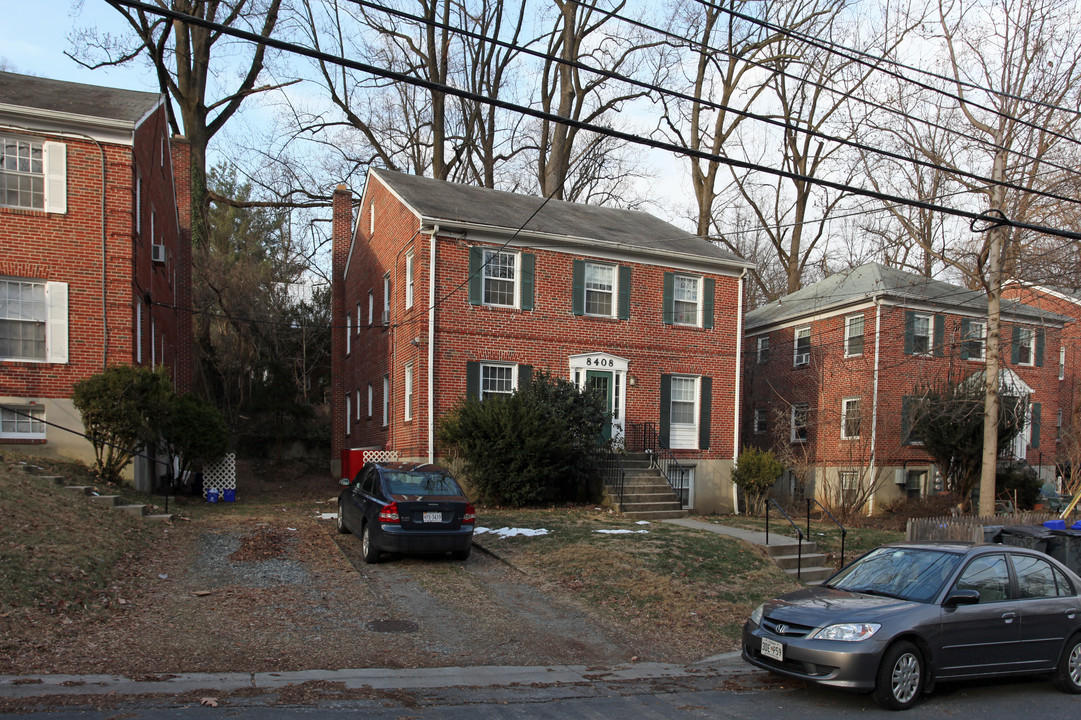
(611, 298)
(92, 268)
(831, 371)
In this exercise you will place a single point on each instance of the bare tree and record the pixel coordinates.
(188, 60)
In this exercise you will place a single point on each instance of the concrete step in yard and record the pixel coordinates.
(654, 514)
(105, 499)
(112, 501)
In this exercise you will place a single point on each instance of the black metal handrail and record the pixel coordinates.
(799, 550)
(645, 438)
(836, 522)
(610, 468)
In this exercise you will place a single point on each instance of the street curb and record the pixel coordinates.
(28, 686)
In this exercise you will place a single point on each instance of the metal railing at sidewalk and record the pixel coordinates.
(799, 550)
(844, 532)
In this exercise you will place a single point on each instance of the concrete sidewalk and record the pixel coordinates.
(29, 686)
(752, 536)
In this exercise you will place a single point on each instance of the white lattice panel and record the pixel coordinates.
(380, 456)
(220, 475)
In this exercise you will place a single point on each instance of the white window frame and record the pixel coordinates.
(386, 400)
(761, 421)
(12, 422)
(348, 334)
(763, 349)
(409, 279)
(408, 390)
(684, 435)
(371, 218)
(359, 316)
(53, 173)
(612, 292)
(799, 359)
(848, 481)
(516, 281)
(138, 204)
(55, 320)
(849, 335)
(348, 416)
(371, 307)
(1058, 425)
(917, 319)
(357, 410)
(1062, 362)
(980, 338)
(485, 367)
(798, 408)
(697, 281)
(386, 299)
(371, 400)
(846, 411)
(1029, 344)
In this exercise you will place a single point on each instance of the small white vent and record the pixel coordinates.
(157, 253)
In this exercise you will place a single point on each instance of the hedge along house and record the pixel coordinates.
(443, 290)
(93, 270)
(833, 370)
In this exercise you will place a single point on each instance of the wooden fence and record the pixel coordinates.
(970, 528)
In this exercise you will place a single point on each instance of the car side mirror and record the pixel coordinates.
(962, 597)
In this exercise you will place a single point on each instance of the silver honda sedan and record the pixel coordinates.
(907, 615)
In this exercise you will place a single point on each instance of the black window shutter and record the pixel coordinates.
(667, 307)
(910, 330)
(578, 288)
(624, 310)
(476, 272)
(705, 407)
(666, 409)
(472, 380)
(908, 403)
(966, 326)
(708, 287)
(1035, 441)
(525, 376)
(1015, 346)
(1039, 347)
(526, 288)
(940, 335)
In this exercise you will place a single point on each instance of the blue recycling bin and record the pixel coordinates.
(212, 495)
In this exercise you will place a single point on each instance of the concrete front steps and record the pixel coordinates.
(646, 494)
(787, 556)
(112, 501)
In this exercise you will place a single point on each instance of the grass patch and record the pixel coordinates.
(668, 579)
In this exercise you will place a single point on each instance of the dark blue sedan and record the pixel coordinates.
(401, 507)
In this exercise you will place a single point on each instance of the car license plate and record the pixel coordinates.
(773, 649)
(433, 517)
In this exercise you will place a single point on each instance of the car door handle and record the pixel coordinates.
(1009, 617)
(1071, 613)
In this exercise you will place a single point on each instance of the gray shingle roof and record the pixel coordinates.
(873, 280)
(450, 203)
(75, 98)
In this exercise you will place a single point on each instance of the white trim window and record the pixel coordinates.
(499, 280)
(408, 388)
(600, 290)
(975, 340)
(22, 422)
(386, 400)
(348, 334)
(357, 415)
(1026, 346)
(683, 413)
(922, 327)
(371, 400)
(801, 346)
(371, 307)
(410, 270)
(686, 300)
(763, 349)
(348, 416)
(386, 299)
(359, 316)
(854, 335)
(849, 481)
(497, 379)
(761, 421)
(800, 416)
(23, 173)
(33, 320)
(1062, 362)
(850, 418)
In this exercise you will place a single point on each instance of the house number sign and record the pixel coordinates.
(600, 362)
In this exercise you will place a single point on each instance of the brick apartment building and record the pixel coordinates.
(93, 269)
(831, 371)
(442, 290)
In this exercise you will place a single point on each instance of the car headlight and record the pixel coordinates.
(847, 632)
(756, 615)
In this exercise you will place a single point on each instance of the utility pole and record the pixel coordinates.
(991, 409)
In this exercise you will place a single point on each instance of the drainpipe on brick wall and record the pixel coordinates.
(431, 345)
(739, 382)
(874, 405)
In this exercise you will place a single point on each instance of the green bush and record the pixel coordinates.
(532, 447)
(755, 474)
(1019, 481)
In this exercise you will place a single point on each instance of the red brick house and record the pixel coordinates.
(442, 290)
(93, 271)
(831, 371)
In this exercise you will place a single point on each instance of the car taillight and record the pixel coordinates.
(389, 514)
(470, 514)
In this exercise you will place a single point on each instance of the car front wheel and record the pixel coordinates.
(368, 549)
(342, 529)
(1067, 677)
(900, 677)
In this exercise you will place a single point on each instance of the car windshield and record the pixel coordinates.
(420, 483)
(904, 573)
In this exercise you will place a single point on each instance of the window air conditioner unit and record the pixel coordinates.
(157, 253)
(803, 359)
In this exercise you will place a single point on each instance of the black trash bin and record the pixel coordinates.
(1065, 546)
(1026, 536)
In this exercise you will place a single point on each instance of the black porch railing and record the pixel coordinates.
(643, 438)
(610, 469)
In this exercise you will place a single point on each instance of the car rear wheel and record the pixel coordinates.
(900, 677)
(461, 554)
(368, 549)
(342, 529)
(1067, 677)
